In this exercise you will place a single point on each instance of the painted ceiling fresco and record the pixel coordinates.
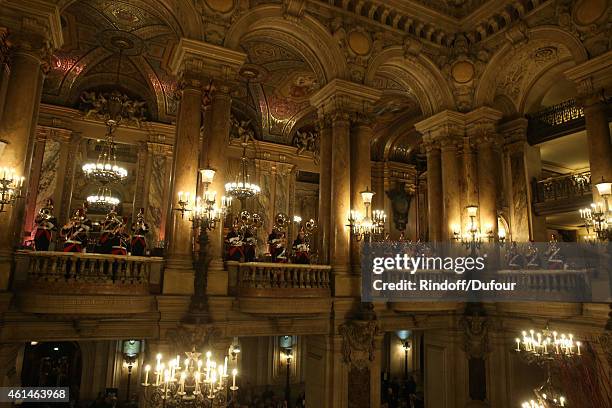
(115, 44)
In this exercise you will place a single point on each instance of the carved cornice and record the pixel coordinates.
(200, 62)
(345, 100)
(592, 76)
(188, 337)
(33, 25)
(481, 125)
(515, 131)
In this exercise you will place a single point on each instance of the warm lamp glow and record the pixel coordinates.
(472, 210)
(604, 188)
(207, 175)
(366, 196)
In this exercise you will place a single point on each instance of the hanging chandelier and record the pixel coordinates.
(190, 382)
(242, 188)
(548, 344)
(103, 200)
(105, 170)
(372, 225)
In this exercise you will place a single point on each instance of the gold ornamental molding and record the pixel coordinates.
(33, 17)
(344, 96)
(97, 305)
(592, 75)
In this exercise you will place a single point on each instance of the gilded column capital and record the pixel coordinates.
(591, 77)
(344, 100)
(514, 133)
(33, 26)
(431, 145)
(198, 63)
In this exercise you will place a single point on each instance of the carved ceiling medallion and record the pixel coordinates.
(463, 71)
(588, 12)
(359, 42)
(544, 54)
(125, 15)
(222, 6)
(121, 41)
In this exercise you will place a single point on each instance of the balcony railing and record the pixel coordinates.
(555, 121)
(563, 193)
(549, 285)
(265, 288)
(98, 273)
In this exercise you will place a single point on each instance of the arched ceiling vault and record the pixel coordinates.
(116, 44)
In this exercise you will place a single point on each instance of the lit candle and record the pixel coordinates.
(147, 369)
(518, 344)
(562, 401)
(199, 366)
(234, 372)
(159, 357)
(578, 345)
(225, 367)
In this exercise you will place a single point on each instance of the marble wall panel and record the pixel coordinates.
(48, 174)
(156, 207)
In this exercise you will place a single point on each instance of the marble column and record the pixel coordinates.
(522, 163)
(216, 158)
(447, 130)
(179, 273)
(598, 139)
(488, 162)
(340, 193)
(143, 179)
(325, 169)
(592, 77)
(30, 37)
(434, 190)
(451, 192)
(4, 69)
(470, 172)
(361, 175)
(340, 100)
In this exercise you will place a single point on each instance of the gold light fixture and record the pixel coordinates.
(191, 381)
(370, 226)
(105, 170)
(599, 216)
(10, 187)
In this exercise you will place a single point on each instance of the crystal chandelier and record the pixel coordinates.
(191, 382)
(105, 170)
(10, 187)
(599, 217)
(242, 188)
(368, 227)
(103, 200)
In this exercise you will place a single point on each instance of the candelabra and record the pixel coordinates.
(599, 216)
(242, 188)
(371, 226)
(195, 384)
(10, 188)
(205, 215)
(103, 200)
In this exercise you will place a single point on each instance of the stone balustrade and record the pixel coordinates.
(99, 273)
(295, 288)
(548, 285)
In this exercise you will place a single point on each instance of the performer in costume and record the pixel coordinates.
(108, 227)
(138, 244)
(301, 249)
(233, 244)
(248, 246)
(119, 238)
(76, 231)
(276, 245)
(45, 223)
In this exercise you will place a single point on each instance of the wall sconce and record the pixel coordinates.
(599, 216)
(235, 349)
(10, 187)
(131, 349)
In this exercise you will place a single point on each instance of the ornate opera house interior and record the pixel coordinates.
(234, 203)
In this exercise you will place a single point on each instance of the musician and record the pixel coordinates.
(138, 244)
(76, 231)
(301, 249)
(233, 244)
(119, 238)
(248, 246)
(45, 223)
(276, 245)
(111, 223)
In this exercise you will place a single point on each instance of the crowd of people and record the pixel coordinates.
(113, 236)
(402, 393)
